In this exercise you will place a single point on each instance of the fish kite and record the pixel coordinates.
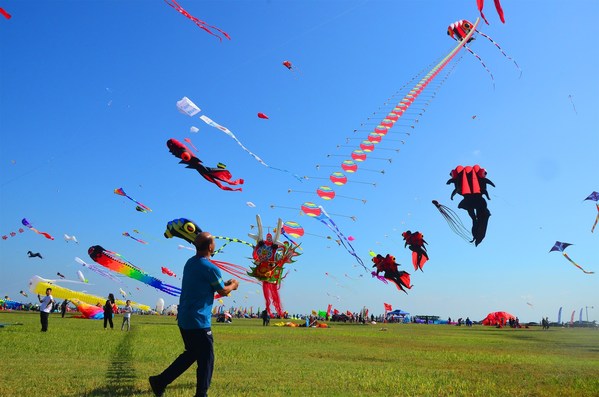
(415, 241)
(471, 183)
(201, 24)
(33, 255)
(26, 223)
(68, 238)
(561, 247)
(481, 3)
(388, 266)
(116, 263)
(262, 116)
(594, 197)
(218, 175)
(140, 207)
(167, 271)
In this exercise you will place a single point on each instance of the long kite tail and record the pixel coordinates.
(235, 270)
(201, 24)
(500, 49)
(596, 219)
(576, 264)
(454, 221)
(481, 62)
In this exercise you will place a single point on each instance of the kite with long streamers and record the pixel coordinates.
(561, 247)
(26, 223)
(454, 221)
(140, 207)
(134, 238)
(201, 24)
(461, 30)
(38, 285)
(34, 254)
(269, 257)
(471, 183)
(481, 3)
(415, 241)
(12, 234)
(218, 175)
(97, 270)
(116, 263)
(388, 266)
(594, 197)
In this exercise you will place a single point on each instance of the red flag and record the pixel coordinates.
(329, 308)
(388, 307)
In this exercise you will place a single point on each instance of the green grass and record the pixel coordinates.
(78, 358)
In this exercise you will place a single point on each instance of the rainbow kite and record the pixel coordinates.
(25, 222)
(559, 246)
(140, 207)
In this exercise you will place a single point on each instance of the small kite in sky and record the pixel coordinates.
(23, 293)
(115, 262)
(186, 106)
(33, 255)
(594, 197)
(415, 241)
(572, 102)
(134, 238)
(193, 129)
(388, 266)
(81, 276)
(26, 223)
(262, 116)
(290, 66)
(561, 247)
(201, 24)
(140, 207)
(188, 140)
(167, 271)
(214, 175)
(12, 234)
(250, 204)
(60, 275)
(97, 270)
(481, 3)
(68, 238)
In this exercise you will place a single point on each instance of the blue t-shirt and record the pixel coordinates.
(201, 279)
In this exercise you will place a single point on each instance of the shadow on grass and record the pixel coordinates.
(120, 375)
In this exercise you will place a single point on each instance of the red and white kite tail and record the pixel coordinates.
(482, 63)
(5, 14)
(501, 49)
(499, 11)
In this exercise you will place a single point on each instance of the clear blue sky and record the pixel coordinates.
(88, 92)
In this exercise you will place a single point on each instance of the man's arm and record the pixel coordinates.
(230, 285)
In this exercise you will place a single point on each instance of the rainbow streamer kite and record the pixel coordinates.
(140, 207)
(559, 246)
(136, 239)
(25, 222)
(91, 312)
(116, 263)
(594, 197)
(38, 285)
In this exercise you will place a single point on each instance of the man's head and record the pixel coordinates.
(48, 291)
(204, 244)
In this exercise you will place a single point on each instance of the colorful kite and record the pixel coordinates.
(415, 241)
(214, 175)
(460, 30)
(293, 229)
(38, 285)
(201, 24)
(12, 234)
(167, 271)
(288, 65)
(262, 116)
(561, 247)
(116, 263)
(594, 197)
(34, 254)
(97, 270)
(388, 266)
(26, 223)
(134, 238)
(480, 4)
(269, 257)
(471, 183)
(140, 207)
(91, 312)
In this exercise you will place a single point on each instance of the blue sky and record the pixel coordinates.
(88, 93)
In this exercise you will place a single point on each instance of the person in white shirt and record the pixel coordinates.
(127, 315)
(45, 308)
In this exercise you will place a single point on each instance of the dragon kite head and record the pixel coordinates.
(183, 228)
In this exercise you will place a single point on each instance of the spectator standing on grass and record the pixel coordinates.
(127, 315)
(108, 311)
(63, 307)
(45, 308)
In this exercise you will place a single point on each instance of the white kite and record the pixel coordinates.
(186, 106)
(68, 238)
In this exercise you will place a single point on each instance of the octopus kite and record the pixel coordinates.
(269, 257)
(116, 263)
(459, 30)
(388, 266)
(218, 175)
(471, 183)
(415, 241)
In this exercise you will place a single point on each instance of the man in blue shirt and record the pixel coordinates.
(201, 279)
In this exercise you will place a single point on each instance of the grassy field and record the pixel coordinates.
(78, 358)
